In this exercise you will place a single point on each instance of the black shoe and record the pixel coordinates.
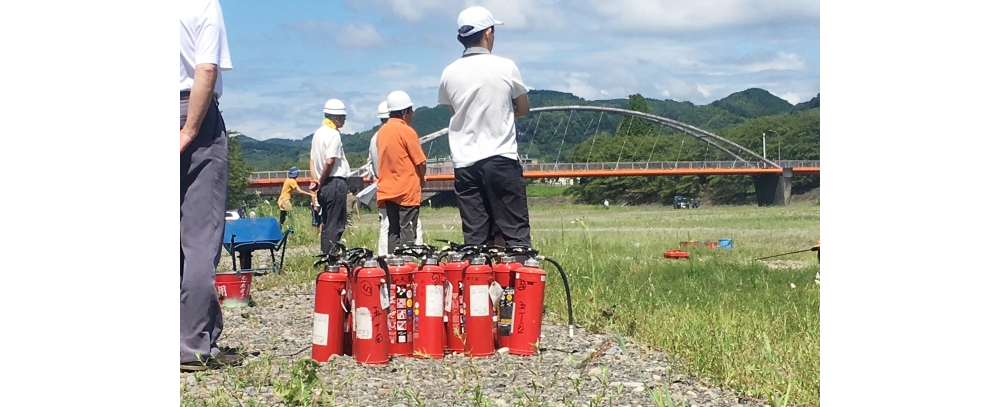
(220, 360)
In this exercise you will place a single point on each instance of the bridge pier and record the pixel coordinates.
(773, 189)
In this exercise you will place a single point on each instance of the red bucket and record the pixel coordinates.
(233, 291)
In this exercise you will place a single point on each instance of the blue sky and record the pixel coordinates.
(290, 57)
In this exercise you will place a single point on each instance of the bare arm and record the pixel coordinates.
(313, 182)
(452, 109)
(205, 76)
(422, 173)
(521, 105)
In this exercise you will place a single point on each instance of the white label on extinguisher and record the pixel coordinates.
(435, 301)
(479, 300)
(383, 295)
(447, 296)
(321, 325)
(363, 323)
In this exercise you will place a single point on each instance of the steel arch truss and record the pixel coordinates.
(699, 134)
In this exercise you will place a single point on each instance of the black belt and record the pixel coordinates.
(328, 179)
(185, 94)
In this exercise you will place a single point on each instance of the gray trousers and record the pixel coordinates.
(402, 224)
(204, 178)
(332, 198)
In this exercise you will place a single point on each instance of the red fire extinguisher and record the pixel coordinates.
(428, 310)
(400, 308)
(369, 307)
(478, 308)
(453, 306)
(529, 297)
(329, 314)
(503, 272)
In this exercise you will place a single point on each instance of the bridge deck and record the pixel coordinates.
(439, 178)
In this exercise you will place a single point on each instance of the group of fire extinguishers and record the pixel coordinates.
(426, 302)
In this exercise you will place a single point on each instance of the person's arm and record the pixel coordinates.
(519, 93)
(314, 182)
(202, 91)
(417, 157)
(422, 173)
(452, 109)
(521, 106)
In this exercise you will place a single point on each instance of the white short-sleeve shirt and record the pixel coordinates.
(326, 144)
(481, 88)
(203, 39)
(373, 154)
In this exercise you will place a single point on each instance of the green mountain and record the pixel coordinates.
(549, 136)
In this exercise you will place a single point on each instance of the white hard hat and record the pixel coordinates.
(334, 106)
(398, 100)
(383, 110)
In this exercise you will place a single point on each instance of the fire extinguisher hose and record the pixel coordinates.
(569, 301)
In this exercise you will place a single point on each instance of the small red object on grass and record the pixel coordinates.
(676, 254)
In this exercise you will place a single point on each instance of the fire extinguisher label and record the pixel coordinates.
(435, 301)
(321, 325)
(506, 311)
(383, 295)
(479, 300)
(363, 323)
(447, 296)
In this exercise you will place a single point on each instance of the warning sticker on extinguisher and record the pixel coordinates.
(435, 301)
(479, 300)
(363, 323)
(321, 325)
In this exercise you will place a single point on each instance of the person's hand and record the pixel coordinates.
(313, 186)
(186, 138)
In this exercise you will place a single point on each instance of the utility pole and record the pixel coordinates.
(763, 140)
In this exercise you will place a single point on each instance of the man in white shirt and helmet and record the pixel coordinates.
(329, 170)
(485, 94)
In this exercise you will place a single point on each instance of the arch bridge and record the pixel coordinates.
(772, 179)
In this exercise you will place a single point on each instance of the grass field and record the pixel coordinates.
(732, 320)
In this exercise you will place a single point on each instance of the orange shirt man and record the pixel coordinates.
(401, 167)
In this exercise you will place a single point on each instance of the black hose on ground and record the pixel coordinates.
(569, 301)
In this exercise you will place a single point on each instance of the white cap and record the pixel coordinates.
(476, 17)
(398, 100)
(334, 106)
(383, 110)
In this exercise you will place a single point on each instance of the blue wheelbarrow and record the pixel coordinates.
(244, 236)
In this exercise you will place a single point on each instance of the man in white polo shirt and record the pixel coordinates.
(204, 173)
(485, 93)
(329, 170)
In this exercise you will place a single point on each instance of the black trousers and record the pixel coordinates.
(402, 224)
(491, 193)
(332, 199)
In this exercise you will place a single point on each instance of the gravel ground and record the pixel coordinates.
(588, 369)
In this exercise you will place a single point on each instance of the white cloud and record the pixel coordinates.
(791, 97)
(327, 34)
(678, 15)
(781, 61)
